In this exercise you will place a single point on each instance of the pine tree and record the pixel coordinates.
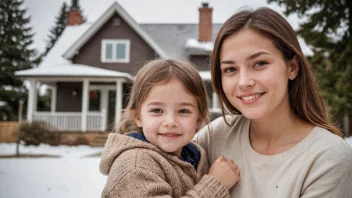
(328, 29)
(56, 31)
(15, 54)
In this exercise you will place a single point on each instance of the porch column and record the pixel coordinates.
(215, 101)
(104, 107)
(31, 103)
(118, 101)
(85, 104)
(53, 98)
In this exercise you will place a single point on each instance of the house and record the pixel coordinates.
(91, 66)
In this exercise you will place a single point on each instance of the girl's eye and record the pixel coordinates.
(229, 70)
(156, 111)
(260, 64)
(184, 111)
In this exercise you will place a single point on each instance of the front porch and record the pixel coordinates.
(72, 87)
(83, 98)
(101, 106)
(69, 121)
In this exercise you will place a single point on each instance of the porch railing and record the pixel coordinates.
(71, 121)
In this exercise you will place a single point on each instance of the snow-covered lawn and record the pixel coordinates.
(73, 175)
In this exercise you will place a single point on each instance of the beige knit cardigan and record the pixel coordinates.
(140, 169)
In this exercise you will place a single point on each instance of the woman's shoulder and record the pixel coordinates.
(328, 159)
(328, 138)
(330, 145)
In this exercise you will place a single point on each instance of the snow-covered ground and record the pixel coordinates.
(72, 175)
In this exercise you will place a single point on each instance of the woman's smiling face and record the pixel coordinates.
(254, 74)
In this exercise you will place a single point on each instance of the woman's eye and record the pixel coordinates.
(229, 70)
(260, 64)
(156, 111)
(184, 111)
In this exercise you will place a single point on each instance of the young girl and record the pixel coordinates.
(155, 158)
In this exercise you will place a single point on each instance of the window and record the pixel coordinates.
(115, 51)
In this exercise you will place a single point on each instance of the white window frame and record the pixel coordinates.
(104, 42)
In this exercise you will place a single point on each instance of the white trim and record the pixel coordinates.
(69, 121)
(85, 105)
(53, 98)
(73, 79)
(118, 101)
(104, 107)
(73, 71)
(115, 7)
(114, 42)
(31, 99)
(107, 87)
(35, 98)
(103, 120)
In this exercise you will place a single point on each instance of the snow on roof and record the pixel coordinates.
(71, 70)
(173, 37)
(67, 38)
(195, 47)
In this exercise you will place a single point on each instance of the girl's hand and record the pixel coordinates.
(225, 171)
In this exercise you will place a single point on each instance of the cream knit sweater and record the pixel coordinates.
(320, 166)
(139, 169)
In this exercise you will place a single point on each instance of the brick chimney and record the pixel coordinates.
(74, 17)
(205, 22)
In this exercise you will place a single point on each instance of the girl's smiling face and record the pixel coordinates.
(255, 75)
(169, 116)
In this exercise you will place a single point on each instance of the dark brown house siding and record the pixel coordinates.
(66, 102)
(115, 28)
(201, 61)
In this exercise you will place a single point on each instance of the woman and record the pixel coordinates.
(278, 131)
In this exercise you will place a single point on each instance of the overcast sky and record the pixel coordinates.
(43, 12)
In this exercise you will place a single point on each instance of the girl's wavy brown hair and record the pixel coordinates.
(162, 71)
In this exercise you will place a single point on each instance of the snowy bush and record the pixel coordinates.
(36, 132)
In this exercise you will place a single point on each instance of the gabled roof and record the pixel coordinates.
(66, 39)
(180, 40)
(114, 8)
(172, 38)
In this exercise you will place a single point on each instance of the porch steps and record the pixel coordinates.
(99, 140)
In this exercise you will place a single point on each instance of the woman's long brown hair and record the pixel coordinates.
(304, 97)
